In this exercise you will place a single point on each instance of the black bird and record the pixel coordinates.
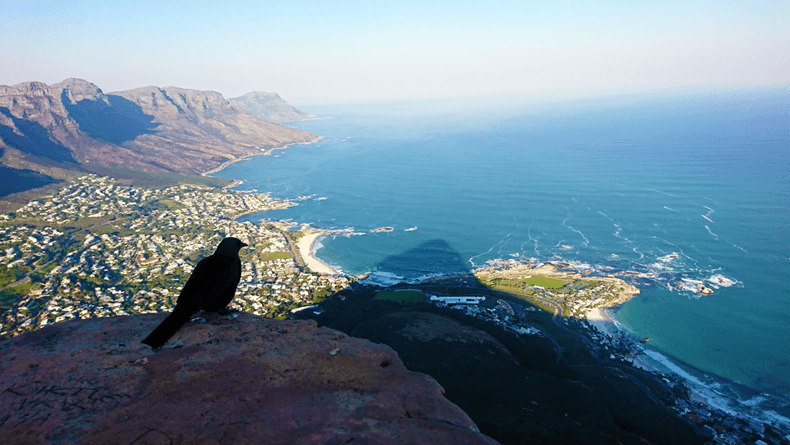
(210, 288)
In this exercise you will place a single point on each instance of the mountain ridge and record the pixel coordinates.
(154, 129)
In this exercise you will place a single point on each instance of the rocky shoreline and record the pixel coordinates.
(267, 152)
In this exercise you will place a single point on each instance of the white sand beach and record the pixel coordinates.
(305, 246)
(603, 322)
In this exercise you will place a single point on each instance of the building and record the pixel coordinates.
(457, 300)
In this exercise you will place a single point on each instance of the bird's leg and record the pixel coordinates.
(226, 310)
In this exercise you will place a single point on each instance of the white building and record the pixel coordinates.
(457, 300)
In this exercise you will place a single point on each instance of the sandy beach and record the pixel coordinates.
(603, 322)
(305, 246)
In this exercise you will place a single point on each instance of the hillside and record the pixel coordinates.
(518, 389)
(74, 126)
(269, 106)
(244, 380)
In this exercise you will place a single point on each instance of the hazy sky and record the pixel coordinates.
(340, 51)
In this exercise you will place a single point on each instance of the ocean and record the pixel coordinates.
(667, 190)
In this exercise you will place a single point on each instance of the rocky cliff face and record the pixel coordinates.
(156, 129)
(243, 380)
(269, 106)
(34, 120)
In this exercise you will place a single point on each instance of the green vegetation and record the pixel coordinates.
(88, 223)
(169, 204)
(154, 180)
(402, 296)
(271, 256)
(529, 298)
(321, 295)
(294, 235)
(8, 276)
(509, 286)
(545, 282)
(16, 292)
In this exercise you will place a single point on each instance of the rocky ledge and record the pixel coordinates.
(225, 380)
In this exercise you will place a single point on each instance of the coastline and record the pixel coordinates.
(265, 152)
(601, 318)
(701, 396)
(603, 321)
(305, 246)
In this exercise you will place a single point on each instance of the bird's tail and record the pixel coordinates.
(167, 328)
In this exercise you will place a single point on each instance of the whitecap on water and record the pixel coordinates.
(668, 258)
(689, 284)
(383, 278)
(347, 232)
(427, 277)
(721, 280)
(726, 396)
(580, 266)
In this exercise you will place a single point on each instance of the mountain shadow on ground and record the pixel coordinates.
(34, 139)
(116, 121)
(426, 259)
(519, 389)
(13, 180)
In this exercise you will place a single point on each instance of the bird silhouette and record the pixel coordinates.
(211, 287)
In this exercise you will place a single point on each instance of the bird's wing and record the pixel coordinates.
(208, 281)
(226, 294)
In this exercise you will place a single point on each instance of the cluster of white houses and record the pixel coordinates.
(101, 248)
(504, 313)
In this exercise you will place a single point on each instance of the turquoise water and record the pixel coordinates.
(683, 189)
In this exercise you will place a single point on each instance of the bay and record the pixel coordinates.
(677, 189)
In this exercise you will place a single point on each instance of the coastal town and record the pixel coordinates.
(100, 248)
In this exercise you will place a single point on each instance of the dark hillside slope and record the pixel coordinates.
(512, 386)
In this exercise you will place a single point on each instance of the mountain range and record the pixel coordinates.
(73, 126)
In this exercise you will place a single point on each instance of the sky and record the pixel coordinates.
(323, 52)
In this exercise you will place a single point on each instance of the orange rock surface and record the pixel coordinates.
(235, 381)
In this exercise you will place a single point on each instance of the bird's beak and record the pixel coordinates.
(243, 244)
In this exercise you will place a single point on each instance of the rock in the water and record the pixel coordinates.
(248, 380)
